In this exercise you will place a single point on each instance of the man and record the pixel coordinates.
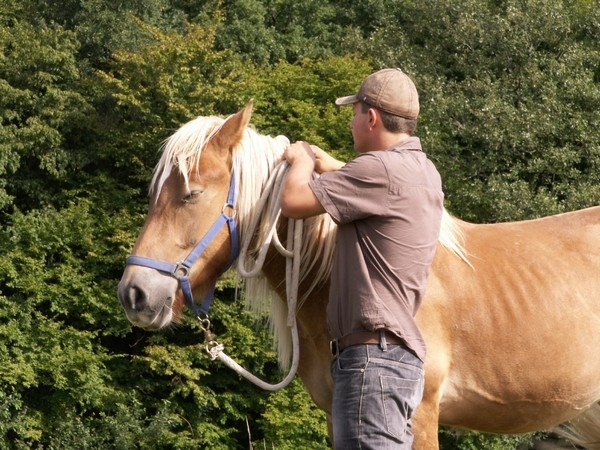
(387, 203)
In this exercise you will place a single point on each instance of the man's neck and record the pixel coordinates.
(387, 140)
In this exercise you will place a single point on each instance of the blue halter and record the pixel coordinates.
(181, 270)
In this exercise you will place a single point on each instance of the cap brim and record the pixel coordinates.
(347, 100)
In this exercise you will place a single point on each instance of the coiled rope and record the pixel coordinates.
(292, 255)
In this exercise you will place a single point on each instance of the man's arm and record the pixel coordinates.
(297, 198)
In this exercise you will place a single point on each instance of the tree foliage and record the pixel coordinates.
(510, 112)
(40, 111)
(516, 137)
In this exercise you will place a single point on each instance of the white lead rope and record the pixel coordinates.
(273, 187)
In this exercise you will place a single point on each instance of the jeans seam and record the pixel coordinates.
(362, 393)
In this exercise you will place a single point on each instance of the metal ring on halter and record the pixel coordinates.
(230, 206)
(181, 270)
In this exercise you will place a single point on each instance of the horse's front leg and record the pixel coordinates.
(330, 428)
(425, 420)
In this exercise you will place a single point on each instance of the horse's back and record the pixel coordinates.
(513, 338)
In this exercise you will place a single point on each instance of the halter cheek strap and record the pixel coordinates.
(181, 271)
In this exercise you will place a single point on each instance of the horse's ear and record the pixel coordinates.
(232, 131)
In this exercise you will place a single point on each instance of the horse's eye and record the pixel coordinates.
(192, 196)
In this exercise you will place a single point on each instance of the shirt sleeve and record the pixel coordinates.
(356, 191)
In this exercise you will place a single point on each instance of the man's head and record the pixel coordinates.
(388, 96)
(388, 90)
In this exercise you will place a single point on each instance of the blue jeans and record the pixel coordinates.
(375, 394)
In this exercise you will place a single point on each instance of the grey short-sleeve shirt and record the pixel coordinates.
(388, 206)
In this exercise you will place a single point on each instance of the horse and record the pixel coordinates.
(511, 316)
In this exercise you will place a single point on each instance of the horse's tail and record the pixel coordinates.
(584, 429)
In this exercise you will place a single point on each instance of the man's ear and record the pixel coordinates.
(374, 117)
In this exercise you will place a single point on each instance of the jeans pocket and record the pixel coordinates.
(400, 397)
(353, 359)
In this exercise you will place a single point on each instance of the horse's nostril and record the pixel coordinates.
(137, 298)
(132, 297)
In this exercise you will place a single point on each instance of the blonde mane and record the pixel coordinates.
(254, 160)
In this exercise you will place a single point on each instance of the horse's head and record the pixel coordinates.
(189, 235)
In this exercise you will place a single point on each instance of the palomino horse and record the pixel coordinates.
(512, 329)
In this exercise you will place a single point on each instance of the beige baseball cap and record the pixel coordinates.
(389, 90)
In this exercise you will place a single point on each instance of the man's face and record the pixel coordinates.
(360, 128)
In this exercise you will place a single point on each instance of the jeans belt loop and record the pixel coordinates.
(382, 340)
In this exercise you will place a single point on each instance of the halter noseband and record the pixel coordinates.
(181, 270)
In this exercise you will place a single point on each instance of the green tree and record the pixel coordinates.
(268, 32)
(510, 97)
(297, 100)
(53, 314)
(102, 26)
(41, 113)
(148, 94)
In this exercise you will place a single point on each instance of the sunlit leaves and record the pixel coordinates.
(38, 110)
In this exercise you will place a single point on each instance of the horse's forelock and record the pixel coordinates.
(183, 150)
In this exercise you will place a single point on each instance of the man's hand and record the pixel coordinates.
(324, 162)
(297, 198)
(299, 152)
